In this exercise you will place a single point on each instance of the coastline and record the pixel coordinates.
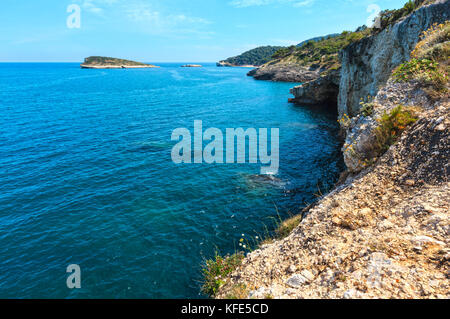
(382, 231)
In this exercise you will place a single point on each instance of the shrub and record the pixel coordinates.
(367, 106)
(437, 35)
(430, 60)
(287, 226)
(345, 122)
(392, 125)
(390, 17)
(216, 270)
(427, 71)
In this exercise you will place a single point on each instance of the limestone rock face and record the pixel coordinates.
(381, 234)
(323, 90)
(284, 73)
(367, 64)
(360, 141)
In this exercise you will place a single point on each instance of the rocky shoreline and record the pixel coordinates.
(323, 90)
(224, 64)
(383, 232)
(285, 73)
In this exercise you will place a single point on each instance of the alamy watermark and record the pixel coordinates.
(229, 148)
(74, 279)
(374, 21)
(74, 19)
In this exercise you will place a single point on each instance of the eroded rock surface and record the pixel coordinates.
(382, 234)
(367, 64)
(284, 73)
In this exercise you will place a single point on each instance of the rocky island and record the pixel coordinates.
(192, 66)
(383, 231)
(98, 62)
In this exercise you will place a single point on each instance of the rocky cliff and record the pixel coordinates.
(383, 232)
(322, 90)
(368, 63)
(309, 61)
(288, 72)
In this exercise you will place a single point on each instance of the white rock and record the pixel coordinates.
(424, 240)
(308, 275)
(352, 294)
(296, 281)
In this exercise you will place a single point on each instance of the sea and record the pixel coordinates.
(87, 178)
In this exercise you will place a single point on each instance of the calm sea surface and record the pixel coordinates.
(86, 176)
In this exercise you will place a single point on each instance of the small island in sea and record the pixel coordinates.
(192, 66)
(99, 62)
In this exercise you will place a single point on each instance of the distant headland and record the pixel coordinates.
(99, 62)
(251, 59)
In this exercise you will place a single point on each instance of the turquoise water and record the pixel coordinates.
(86, 176)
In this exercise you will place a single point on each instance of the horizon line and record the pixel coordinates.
(82, 62)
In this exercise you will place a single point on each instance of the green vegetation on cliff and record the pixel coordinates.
(216, 270)
(255, 57)
(321, 54)
(390, 17)
(430, 61)
(316, 39)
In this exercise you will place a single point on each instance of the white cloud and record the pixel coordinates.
(158, 22)
(305, 3)
(96, 6)
(253, 3)
(144, 15)
(249, 3)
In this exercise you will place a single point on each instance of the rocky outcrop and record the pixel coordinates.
(230, 65)
(224, 64)
(280, 72)
(360, 146)
(381, 234)
(368, 63)
(383, 231)
(323, 90)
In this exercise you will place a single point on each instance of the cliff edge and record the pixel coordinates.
(383, 232)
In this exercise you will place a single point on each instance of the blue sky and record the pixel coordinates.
(169, 30)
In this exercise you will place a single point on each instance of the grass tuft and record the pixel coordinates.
(216, 270)
(430, 61)
(392, 125)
